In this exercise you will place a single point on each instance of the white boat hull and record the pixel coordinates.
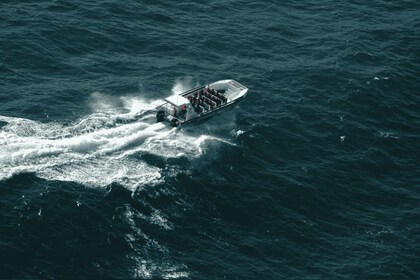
(201, 103)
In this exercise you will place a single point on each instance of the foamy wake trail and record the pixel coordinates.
(98, 149)
(152, 260)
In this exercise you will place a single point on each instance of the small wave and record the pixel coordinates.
(238, 133)
(380, 78)
(387, 134)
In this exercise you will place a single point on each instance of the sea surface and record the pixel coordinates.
(315, 175)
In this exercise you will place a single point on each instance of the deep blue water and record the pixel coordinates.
(313, 176)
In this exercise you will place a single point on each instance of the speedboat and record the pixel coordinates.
(201, 102)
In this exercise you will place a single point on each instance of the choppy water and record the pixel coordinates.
(314, 176)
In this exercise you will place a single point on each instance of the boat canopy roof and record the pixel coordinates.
(177, 100)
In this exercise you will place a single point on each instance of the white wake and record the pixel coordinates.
(98, 149)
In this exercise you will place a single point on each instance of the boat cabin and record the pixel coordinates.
(178, 107)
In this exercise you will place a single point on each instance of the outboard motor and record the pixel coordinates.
(174, 122)
(160, 116)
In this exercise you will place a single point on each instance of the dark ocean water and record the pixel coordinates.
(313, 176)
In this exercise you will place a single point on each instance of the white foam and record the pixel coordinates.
(90, 158)
(151, 257)
(98, 149)
(380, 78)
(104, 103)
(182, 85)
(239, 133)
(387, 134)
(159, 219)
(175, 275)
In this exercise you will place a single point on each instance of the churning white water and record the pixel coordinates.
(101, 148)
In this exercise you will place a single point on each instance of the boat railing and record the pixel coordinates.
(192, 90)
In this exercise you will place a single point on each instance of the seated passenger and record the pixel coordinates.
(184, 109)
